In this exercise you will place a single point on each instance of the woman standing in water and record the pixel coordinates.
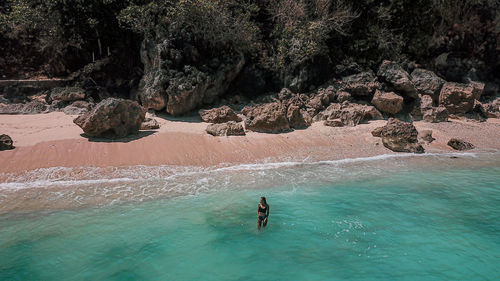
(262, 212)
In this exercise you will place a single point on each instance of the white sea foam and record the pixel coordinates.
(197, 178)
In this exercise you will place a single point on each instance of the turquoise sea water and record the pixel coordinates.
(433, 218)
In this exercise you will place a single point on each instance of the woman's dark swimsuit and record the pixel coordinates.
(262, 211)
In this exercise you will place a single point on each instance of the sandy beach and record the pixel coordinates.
(52, 140)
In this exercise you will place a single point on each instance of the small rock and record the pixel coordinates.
(6, 143)
(219, 115)
(426, 136)
(436, 115)
(459, 144)
(334, 123)
(150, 124)
(230, 128)
(427, 83)
(377, 132)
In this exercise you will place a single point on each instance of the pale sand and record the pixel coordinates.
(52, 140)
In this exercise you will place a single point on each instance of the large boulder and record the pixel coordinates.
(363, 84)
(392, 73)
(6, 143)
(350, 114)
(459, 98)
(230, 128)
(427, 83)
(400, 136)
(388, 102)
(112, 118)
(151, 90)
(219, 115)
(459, 144)
(66, 94)
(266, 118)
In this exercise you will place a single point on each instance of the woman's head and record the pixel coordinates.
(263, 200)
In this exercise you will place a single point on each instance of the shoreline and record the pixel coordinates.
(52, 140)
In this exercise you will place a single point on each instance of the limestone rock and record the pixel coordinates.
(363, 84)
(394, 74)
(459, 144)
(351, 114)
(219, 115)
(459, 98)
(388, 102)
(112, 118)
(33, 107)
(426, 136)
(266, 118)
(298, 118)
(377, 132)
(334, 122)
(427, 82)
(6, 143)
(78, 108)
(401, 136)
(230, 128)
(66, 94)
(436, 115)
(150, 124)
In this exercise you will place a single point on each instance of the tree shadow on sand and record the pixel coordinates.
(139, 135)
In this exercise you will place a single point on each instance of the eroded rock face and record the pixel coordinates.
(266, 118)
(219, 115)
(351, 114)
(230, 128)
(6, 143)
(400, 136)
(459, 144)
(459, 98)
(388, 102)
(427, 83)
(178, 79)
(67, 94)
(112, 118)
(363, 84)
(394, 74)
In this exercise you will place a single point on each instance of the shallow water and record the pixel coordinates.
(409, 218)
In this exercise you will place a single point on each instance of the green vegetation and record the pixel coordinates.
(56, 37)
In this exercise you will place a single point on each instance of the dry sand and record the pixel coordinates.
(52, 140)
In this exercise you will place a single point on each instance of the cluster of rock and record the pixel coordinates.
(70, 100)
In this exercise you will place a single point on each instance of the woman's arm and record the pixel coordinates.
(267, 212)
